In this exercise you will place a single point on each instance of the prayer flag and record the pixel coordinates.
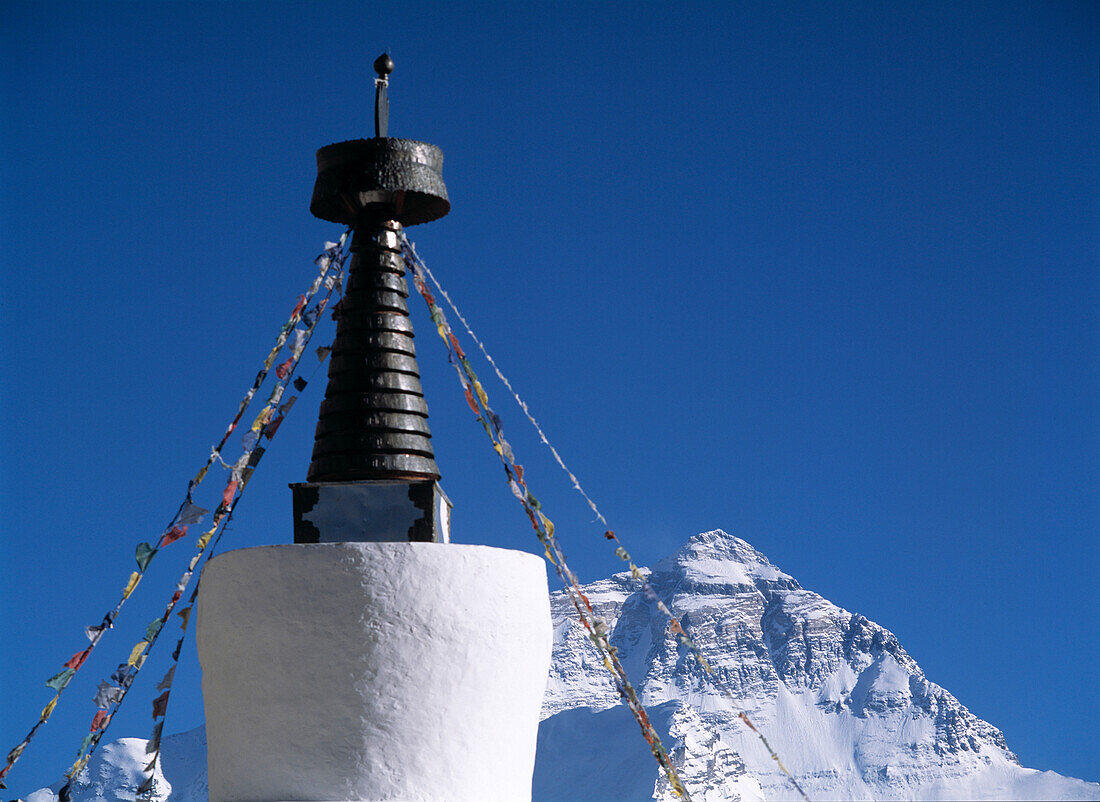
(227, 496)
(48, 709)
(154, 739)
(100, 719)
(298, 306)
(248, 442)
(77, 660)
(184, 614)
(191, 514)
(135, 577)
(286, 405)
(122, 675)
(298, 339)
(107, 695)
(160, 705)
(153, 628)
(167, 681)
(206, 537)
(300, 384)
(262, 418)
(143, 554)
(146, 786)
(60, 679)
(273, 426)
(172, 535)
(135, 653)
(282, 370)
(322, 352)
(89, 739)
(309, 317)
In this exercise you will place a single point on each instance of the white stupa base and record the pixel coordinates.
(373, 671)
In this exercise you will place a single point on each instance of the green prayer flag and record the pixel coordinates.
(61, 679)
(153, 628)
(143, 554)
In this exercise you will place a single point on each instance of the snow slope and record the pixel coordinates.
(848, 710)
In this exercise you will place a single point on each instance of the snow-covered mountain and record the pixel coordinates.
(848, 710)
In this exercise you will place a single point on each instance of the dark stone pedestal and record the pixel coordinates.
(370, 512)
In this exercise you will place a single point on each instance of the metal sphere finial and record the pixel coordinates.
(383, 65)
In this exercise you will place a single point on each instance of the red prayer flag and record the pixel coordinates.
(100, 720)
(473, 404)
(299, 305)
(172, 535)
(227, 496)
(176, 596)
(77, 660)
(160, 705)
(282, 370)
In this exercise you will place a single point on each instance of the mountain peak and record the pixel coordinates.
(717, 558)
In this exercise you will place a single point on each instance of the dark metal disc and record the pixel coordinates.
(348, 422)
(371, 402)
(354, 343)
(373, 301)
(373, 361)
(367, 280)
(350, 468)
(363, 381)
(375, 443)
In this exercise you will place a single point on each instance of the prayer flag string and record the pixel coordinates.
(241, 472)
(598, 633)
(330, 264)
(418, 266)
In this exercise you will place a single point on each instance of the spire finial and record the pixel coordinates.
(383, 65)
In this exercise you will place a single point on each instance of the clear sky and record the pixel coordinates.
(822, 275)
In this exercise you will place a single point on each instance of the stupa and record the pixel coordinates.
(373, 659)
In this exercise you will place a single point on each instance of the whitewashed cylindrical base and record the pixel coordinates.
(372, 671)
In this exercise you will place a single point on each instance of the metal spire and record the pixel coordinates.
(372, 448)
(383, 65)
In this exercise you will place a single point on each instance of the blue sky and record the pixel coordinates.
(822, 275)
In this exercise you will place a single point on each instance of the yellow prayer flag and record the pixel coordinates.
(206, 538)
(481, 393)
(201, 474)
(135, 653)
(261, 419)
(135, 577)
(546, 522)
(76, 767)
(48, 709)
